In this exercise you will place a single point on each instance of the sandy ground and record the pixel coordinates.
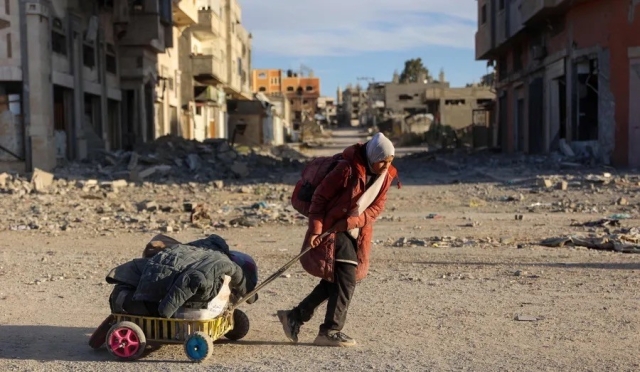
(422, 308)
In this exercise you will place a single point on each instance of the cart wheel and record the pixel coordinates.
(126, 341)
(198, 347)
(99, 336)
(240, 326)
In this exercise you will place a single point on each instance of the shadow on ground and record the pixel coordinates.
(52, 343)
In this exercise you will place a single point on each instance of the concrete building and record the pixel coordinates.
(328, 109)
(301, 88)
(354, 103)
(76, 77)
(215, 60)
(169, 115)
(567, 71)
(255, 123)
(451, 106)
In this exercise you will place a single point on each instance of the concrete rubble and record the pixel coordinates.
(155, 188)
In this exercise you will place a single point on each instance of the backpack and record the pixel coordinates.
(312, 175)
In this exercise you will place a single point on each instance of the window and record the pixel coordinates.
(275, 81)
(262, 89)
(309, 88)
(262, 75)
(199, 110)
(502, 68)
(111, 61)
(483, 14)
(170, 83)
(289, 89)
(89, 55)
(58, 43)
(240, 66)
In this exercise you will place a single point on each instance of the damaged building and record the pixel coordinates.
(78, 77)
(568, 72)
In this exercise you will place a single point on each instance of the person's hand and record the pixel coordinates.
(314, 240)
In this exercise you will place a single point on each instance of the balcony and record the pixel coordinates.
(533, 10)
(185, 12)
(146, 30)
(207, 69)
(483, 42)
(209, 25)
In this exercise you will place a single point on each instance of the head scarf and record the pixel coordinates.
(379, 148)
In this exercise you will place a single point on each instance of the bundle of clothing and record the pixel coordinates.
(171, 276)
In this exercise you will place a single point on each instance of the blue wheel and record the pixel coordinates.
(198, 347)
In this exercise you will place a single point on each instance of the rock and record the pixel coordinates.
(4, 178)
(41, 180)
(193, 160)
(219, 184)
(622, 201)
(147, 205)
(240, 169)
(119, 184)
(525, 318)
(547, 183)
(562, 185)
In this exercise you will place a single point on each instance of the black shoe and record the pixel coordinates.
(291, 327)
(334, 338)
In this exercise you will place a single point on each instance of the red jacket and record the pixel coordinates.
(333, 199)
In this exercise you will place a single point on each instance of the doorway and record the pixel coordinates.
(536, 117)
(519, 127)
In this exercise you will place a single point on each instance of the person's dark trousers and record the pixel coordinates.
(338, 293)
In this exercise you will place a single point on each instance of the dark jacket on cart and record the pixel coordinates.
(185, 273)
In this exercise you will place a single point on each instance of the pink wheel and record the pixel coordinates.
(126, 341)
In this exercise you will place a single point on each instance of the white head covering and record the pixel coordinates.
(379, 148)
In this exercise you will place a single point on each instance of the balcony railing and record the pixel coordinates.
(207, 69)
(209, 24)
(483, 41)
(531, 10)
(185, 12)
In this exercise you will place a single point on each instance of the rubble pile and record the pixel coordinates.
(172, 158)
(55, 205)
(156, 188)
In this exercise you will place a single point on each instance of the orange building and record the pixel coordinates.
(302, 91)
(567, 71)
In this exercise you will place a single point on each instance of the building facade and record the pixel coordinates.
(301, 90)
(566, 71)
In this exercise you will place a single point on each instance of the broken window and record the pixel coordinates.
(166, 14)
(585, 119)
(262, 89)
(111, 61)
(454, 102)
(199, 110)
(89, 55)
(170, 83)
(483, 101)
(58, 43)
(290, 89)
(404, 97)
(483, 14)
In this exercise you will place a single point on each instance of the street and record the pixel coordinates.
(458, 281)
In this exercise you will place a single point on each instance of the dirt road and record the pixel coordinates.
(441, 304)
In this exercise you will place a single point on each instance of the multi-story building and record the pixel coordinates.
(77, 76)
(215, 63)
(170, 116)
(354, 103)
(566, 71)
(327, 108)
(302, 91)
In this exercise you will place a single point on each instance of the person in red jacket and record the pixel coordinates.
(347, 201)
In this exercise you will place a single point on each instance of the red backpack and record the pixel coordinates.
(312, 175)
